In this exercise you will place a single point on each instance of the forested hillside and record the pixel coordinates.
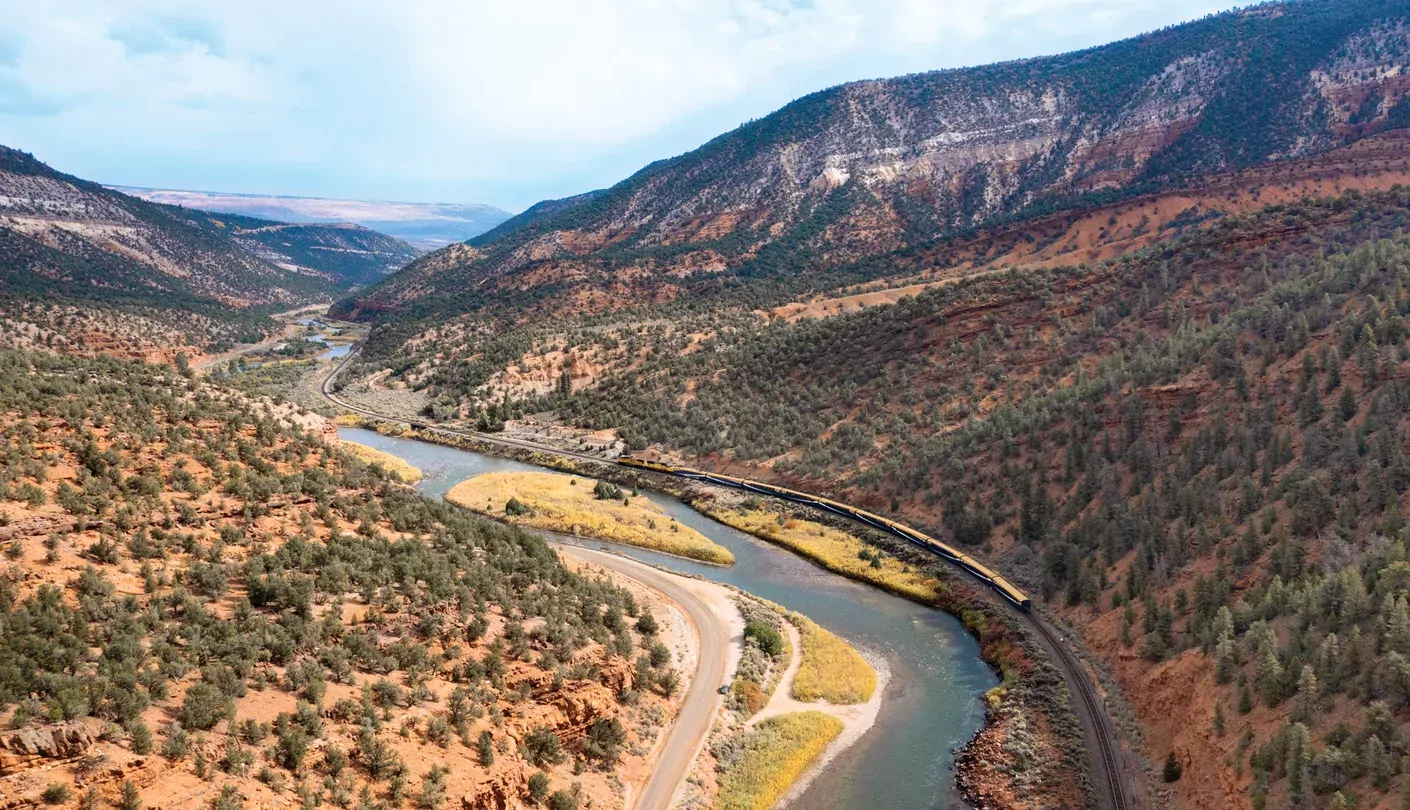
(206, 604)
(92, 269)
(351, 254)
(1198, 452)
(855, 171)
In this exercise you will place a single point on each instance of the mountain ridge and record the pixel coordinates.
(853, 171)
(426, 226)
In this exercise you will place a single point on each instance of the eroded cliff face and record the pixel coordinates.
(869, 167)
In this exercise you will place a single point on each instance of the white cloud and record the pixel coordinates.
(443, 94)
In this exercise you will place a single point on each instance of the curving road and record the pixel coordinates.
(697, 710)
(1112, 779)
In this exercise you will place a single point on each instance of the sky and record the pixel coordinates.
(468, 101)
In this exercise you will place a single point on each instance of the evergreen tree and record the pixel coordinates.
(485, 748)
(1346, 405)
(1270, 677)
(1172, 770)
(1306, 701)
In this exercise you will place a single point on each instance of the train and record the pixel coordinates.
(985, 574)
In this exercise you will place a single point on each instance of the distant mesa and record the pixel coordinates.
(426, 226)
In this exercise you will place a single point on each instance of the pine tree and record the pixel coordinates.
(1377, 762)
(1299, 759)
(1346, 405)
(131, 798)
(485, 748)
(1226, 658)
(1306, 702)
(1270, 677)
(1172, 770)
(1218, 720)
(1398, 626)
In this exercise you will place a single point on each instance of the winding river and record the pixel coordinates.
(931, 705)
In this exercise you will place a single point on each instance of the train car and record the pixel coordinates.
(646, 464)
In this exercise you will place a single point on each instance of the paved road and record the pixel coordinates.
(701, 700)
(1110, 775)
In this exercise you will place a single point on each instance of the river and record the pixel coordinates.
(931, 704)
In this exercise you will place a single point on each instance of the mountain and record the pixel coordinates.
(846, 174)
(426, 226)
(354, 254)
(1130, 323)
(80, 262)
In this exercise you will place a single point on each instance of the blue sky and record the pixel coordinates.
(462, 100)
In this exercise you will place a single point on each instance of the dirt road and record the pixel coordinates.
(701, 701)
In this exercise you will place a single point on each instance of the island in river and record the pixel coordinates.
(582, 507)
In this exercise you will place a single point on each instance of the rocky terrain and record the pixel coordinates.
(1129, 323)
(208, 604)
(844, 175)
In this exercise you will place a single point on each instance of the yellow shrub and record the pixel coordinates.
(834, 549)
(555, 504)
(397, 467)
(830, 670)
(347, 419)
(776, 752)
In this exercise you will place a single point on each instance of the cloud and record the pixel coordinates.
(422, 98)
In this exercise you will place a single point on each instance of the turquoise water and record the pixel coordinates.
(931, 704)
(340, 350)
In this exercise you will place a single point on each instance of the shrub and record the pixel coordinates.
(542, 747)
(230, 798)
(605, 739)
(772, 756)
(538, 787)
(178, 742)
(131, 798)
(830, 670)
(203, 707)
(57, 793)
(140, 737)
(769, 639)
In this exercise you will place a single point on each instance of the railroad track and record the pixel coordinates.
(326, 388)
(1096, 710)
(1111, 781)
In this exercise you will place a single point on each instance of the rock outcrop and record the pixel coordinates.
(23, 747)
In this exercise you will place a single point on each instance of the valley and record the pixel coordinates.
(1028, 436)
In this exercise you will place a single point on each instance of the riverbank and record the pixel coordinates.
(1033, 688)
(787, 743)
(398, 467)
(567, 504)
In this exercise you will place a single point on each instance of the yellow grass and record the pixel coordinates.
(560, 506)
(347, 419)
(397, 467)
(776, 753)
(834, 549)
(830, 670)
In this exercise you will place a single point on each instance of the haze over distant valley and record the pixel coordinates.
(426, 226)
